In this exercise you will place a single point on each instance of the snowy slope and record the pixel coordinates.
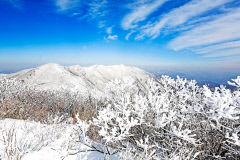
(35, 141)
(84, 79)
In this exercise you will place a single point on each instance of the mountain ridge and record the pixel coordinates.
(53, 76)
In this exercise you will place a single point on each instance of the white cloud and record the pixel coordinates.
(140, 13)
(97, 8)
(101, 24)
(64, 5)
(129, 34)
(224, 53)
(111, 37)
(90, 10)
(224, 28)
(221, 46)
(94, 8)
(109, 30)
(180, 15)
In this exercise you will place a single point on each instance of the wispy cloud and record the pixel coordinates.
(224, 53)
(221, 46)
(97, 8)
(140, 12)
(94, 10)
(129, 34)
(180, 16)
(110, 34)
(109, 30)
(90, 10)
(64, 5)
(223, 29)
(111, 37)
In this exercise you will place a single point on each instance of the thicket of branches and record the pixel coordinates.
(19, 101)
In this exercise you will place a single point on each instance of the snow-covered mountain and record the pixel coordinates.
(86, 79)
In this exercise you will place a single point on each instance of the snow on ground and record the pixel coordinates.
(49, 154)
(35, 141)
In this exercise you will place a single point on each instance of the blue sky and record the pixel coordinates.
(183, 34)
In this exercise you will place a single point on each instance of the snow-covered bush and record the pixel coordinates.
(171, 119)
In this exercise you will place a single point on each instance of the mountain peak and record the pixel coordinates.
(50, 66)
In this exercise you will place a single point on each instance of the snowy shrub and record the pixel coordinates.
(171, 119)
